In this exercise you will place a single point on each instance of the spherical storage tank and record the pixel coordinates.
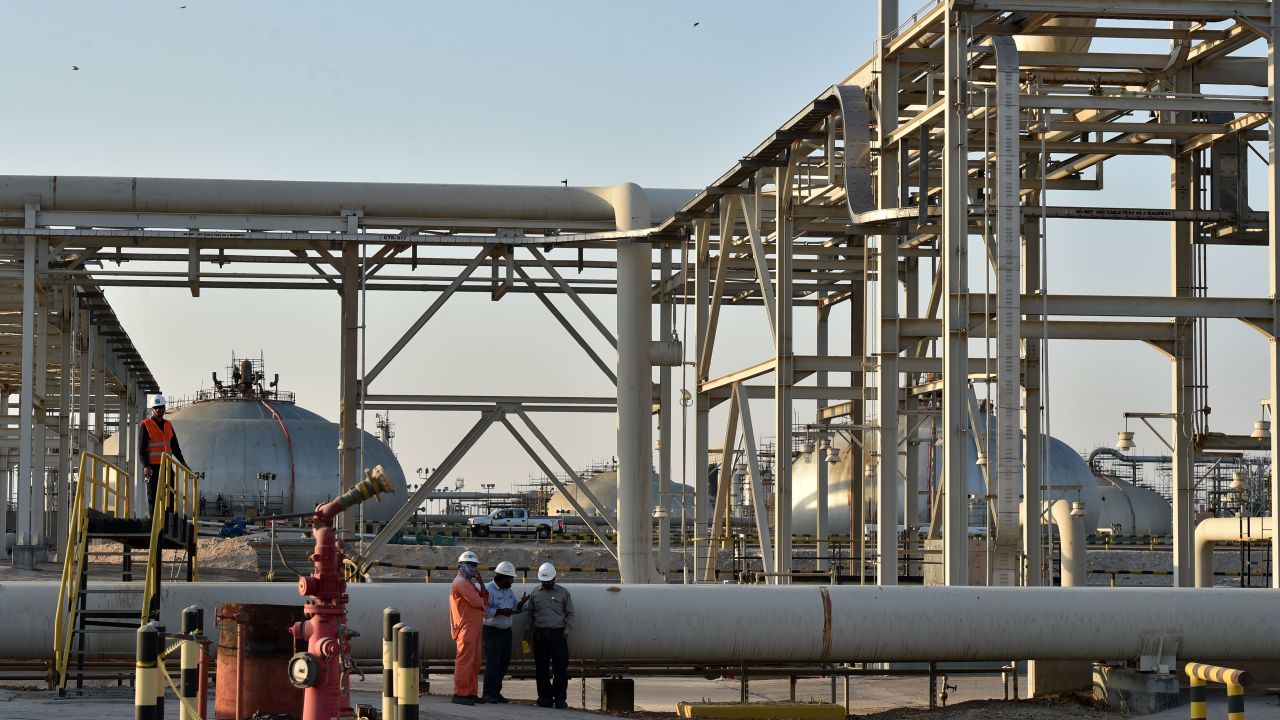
(232, 439)
(1067, 473)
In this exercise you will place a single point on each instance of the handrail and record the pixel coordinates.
(178, 491)
(103, 487)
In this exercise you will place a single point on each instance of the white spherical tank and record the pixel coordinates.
(604, 486)
(1067, 473)
(233, 439)
(1128, 509)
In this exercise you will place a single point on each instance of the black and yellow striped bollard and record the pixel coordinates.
(160, 671)
(390, 619)
(192, 629)
(1235, 680)
(407, 673)
(144, 678)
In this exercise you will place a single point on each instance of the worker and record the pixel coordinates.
(467, 602)
(155, 438)
(552, 610)
(497, 630)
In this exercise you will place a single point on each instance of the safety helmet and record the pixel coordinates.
(505, 568)
(157, 401)
(468, 556)
(546, 572)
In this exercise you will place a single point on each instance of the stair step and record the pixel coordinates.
(105, 631)
(105, 614)
(111, 591)
(87, 624)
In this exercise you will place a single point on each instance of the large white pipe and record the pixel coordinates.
(292, 197)
(1075, 566)
(1212, 530)
(731, 624)
(635, 389)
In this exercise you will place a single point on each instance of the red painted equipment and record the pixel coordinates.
(324, 669)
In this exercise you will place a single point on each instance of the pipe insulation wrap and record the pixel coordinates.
(730, 624)
(295, 197)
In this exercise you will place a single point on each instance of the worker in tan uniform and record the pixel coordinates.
(467, 602)
(552, 609)
(155, 438)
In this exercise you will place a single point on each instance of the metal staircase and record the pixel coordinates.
(102, 525)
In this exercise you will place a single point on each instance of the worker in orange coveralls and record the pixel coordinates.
(467, 602)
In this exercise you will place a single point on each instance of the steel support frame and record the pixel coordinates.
(887, 340)
(955, 335)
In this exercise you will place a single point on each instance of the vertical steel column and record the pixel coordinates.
(348, 444)
(66, 336)
(1008, 460)
(26, 400)
(887, 510)
(783, 378)
(702, 409)
(635, 391)
(99, 391)
(955, 322)
(1273, 274)
(1182, 254)
(911, 416)
(823, 524)
(40, 387)
(857, 411)
(5, 486)
(1033, 442)
(667, 318)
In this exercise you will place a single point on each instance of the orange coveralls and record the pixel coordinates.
(467, 601)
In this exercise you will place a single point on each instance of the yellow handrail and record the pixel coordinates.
(103, 487)
(177, 490)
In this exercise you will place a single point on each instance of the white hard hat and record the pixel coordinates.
(468, 556)
(546, 571)
(157, 401)
(505, 568)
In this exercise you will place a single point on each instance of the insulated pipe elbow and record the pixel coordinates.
(630, 204)
(1075, 568)
(1212, 530)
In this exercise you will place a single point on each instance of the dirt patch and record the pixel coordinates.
(1049, 708)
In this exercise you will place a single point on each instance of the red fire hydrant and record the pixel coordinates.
(324, 669)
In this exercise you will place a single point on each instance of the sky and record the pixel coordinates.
(664, 94)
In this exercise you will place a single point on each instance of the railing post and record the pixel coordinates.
(144, 680)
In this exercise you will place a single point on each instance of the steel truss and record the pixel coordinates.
(944, 143)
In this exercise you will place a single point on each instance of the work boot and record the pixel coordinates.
(477, 699)
(543, 702)
(493, 699)
(560, 704)
(463, 700)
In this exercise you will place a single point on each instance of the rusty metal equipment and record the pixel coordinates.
(325, 668)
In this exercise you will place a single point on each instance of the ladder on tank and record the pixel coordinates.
(101, 513)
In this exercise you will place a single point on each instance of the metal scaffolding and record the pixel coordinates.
(942, 147)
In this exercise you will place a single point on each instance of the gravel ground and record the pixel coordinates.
(1051, 708)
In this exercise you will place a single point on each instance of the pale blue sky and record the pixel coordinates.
(507, 93)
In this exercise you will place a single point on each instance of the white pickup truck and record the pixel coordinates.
(514, 520)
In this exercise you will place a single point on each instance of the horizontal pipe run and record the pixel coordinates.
(824, 623)
(293, 197)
